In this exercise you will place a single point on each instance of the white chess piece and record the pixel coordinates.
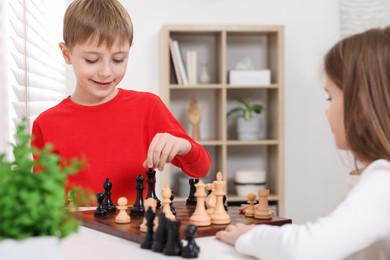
(211, 198)
(219, 215)
(250, 211)
(200, 216)
(166, 199)
(262, 211)
(149, 202)
(122, 216)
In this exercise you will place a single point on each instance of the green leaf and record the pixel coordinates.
(32, 204)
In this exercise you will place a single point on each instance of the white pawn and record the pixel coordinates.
(166, 200)
(250, 211)
(122, 217)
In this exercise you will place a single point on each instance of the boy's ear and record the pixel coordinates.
(65, 52)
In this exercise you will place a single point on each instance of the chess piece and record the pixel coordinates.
(161, 234)
(191, 250)
(174, 245)
(122, 216)
(148, 240)
(200, 216)
(138, 207)
(191, 200)
(151, 173)
(149, 203)
(171, 205)
(194, 114)
(250, 211)
(166, 195)
(107, 204)
(100, 210)
(211, 198)
(219, 215)
(262, 211)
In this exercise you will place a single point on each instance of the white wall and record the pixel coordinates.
(314, 175)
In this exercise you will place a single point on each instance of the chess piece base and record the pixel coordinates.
(220, 220)
(123, 221)
(200, 222)
(267, 214)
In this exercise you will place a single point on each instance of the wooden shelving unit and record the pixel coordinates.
(221, 47)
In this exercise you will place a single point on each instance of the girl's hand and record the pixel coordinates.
(163, 148)
(242, 208)
(233, 232)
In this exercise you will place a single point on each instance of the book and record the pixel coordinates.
(192, 67)
(175, 61)
(182, 69)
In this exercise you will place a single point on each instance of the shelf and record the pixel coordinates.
(224, 48)
(250, 143)
(196, 87)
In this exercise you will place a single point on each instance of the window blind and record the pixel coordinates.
(37, 70)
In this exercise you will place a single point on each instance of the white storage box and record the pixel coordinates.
(250, 77)
(249, 181)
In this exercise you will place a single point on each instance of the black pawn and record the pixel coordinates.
(191, 250)
(151, 186)
(171, 205)
(148, 240)
(161, 234)
(138, 207)
(174, 245)
(108, 205)
(191, 200)
(100, 210)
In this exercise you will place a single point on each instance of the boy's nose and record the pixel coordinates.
(105, 70)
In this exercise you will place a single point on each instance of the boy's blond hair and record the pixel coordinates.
(104, 20)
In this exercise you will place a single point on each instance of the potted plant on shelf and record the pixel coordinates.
(33, 212)
(248, 123)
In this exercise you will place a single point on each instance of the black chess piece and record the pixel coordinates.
(148, 240)
(161, 234)
(138, 207)
(107, 204)
(171, 205)
(151, 173)
(100, 210)
(174, 245)
(225, 203)
(191, 200)
(191, 250)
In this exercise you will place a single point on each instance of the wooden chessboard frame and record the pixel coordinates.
(131, 230)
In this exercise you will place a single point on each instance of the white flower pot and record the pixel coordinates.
(42, 248)
(249, 130)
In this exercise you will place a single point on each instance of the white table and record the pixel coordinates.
(96, 245)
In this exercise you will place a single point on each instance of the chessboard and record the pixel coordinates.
(131, 231)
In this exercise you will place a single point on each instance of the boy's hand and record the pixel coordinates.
(163, 148)
(232, 232)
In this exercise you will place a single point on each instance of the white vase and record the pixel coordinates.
(42, 248)
(204, 74)
(249, 130)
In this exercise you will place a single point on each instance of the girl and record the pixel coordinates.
(358, 84)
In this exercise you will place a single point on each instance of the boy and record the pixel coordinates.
(120, 132)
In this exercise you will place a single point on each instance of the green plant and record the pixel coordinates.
(33, 204)
(247, 109)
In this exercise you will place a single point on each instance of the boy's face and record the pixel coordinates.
(98, 70)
